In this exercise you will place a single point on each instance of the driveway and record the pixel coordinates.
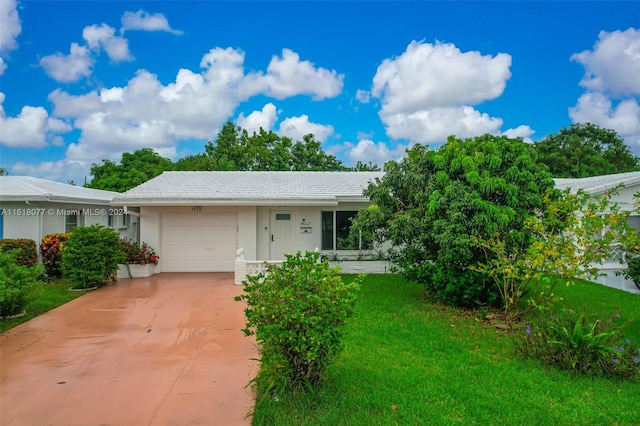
(149, 351)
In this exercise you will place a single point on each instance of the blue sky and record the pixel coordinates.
(82, 81)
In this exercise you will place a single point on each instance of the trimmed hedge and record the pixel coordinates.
(24, 250)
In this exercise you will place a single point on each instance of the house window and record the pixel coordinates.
(335, 231)
(73, 219)
(118, 221)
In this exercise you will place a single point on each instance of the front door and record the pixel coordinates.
(282, 234)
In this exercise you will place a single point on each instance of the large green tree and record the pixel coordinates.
(584, 150)
(433, 203)
(134, 168)
(235, 149)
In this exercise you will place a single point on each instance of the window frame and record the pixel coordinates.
(334, 246)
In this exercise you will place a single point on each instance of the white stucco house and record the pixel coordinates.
(197, 221)
(32, 207)
(625, 198)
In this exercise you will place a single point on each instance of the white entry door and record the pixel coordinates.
(283, 238)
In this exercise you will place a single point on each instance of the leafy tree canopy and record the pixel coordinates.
(235, 149)
(432, 203)
(134, 169)
(585, 150)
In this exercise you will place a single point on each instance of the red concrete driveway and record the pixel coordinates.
(149, 351)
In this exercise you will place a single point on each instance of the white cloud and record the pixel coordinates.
(298, 127)
(71, 67)
(32, 128)
(363, 96)
(144, 21)
(103, 36)
(612, 71)
(524, 132)
(146, 113)
(438, 75)
(613, 66)
(289, 76)
(368, 151)
(10, 29)
(62, 170)
(428, 92)
(435, 125)
(598, 109)
(264, 119)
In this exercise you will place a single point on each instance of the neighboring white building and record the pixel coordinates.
(31, 208)
(197, 221)
(626, 199)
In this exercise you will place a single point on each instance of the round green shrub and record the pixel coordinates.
(633, 271)
(91, 256)
(16, 284)
(296, 312)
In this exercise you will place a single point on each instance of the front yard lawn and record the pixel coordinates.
(407, 360)
(47, 296)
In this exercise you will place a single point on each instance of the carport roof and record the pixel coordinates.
(28, 188)
(249, 188)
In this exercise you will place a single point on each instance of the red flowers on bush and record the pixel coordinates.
(139, 255)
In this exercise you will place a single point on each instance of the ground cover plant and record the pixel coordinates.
(408, 359)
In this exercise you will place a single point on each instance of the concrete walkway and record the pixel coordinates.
(165, 350)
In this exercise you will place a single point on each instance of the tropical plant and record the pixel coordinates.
(573, 341)
(51, 251)
(297, 312)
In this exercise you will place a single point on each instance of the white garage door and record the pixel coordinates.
(204, 242)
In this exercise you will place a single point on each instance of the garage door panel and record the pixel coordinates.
(199, 243)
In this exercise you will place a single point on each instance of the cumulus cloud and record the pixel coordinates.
(368, 151)
(68, 68)
(9, 30)
(146, 113)
(103, 36)
(62, 170)
(435, 125)
(363, 96)
(613, 86)
(613, 66)
(264, 119)
(32, 128)
(298, 127)
(524, 132)
(288, 76)
(598, 109)
(427, 93)
(144, 21)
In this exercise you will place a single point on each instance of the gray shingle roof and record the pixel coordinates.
(249, 188)
(599, 184)
(27, 188)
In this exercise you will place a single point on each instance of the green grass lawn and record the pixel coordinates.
(46, 297)
(409, 361)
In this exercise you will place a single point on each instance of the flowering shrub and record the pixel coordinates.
(51, 251)
(139, 255)
(25, 251)
(572, 341)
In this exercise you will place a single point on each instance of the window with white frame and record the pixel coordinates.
(118, 221)
(336, 226)
(73, 218)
